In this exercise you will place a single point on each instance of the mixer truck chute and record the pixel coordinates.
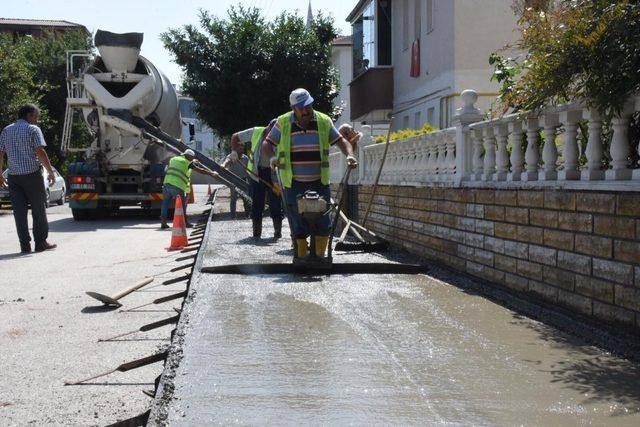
(131, 110)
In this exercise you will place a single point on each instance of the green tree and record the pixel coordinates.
(574, 49)
(17, 86)
(241, 69)
(33, 69)
(47, 57)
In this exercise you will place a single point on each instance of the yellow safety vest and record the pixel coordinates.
(256, 151)
(179, 173)
(284, 148)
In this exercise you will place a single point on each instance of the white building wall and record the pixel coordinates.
(454, 54)
(417, 99)
(342, 59)
(482, 27)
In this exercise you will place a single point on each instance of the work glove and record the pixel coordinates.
(234, 156)
(352, 162)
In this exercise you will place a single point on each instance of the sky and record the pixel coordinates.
(152, 17)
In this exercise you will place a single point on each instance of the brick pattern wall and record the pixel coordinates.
(577, 249)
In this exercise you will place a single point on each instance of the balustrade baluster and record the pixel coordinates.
(441, 165)
(532, 155)
(594, 150)
(431, 162)
(569, 120)
(451, 153)
(517, 157)
(477, 154)
(502, 157)
(620, 147)
(549, 122)
(489, 153)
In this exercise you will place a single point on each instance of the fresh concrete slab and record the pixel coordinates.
(361, 349)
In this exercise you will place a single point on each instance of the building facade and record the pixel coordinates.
(413, 58)
(36, 27)
(342, 60)
(204, 138)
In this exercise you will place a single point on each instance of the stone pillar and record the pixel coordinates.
(465, 115)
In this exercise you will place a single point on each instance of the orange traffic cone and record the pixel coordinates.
(191, 196)
(179, 233)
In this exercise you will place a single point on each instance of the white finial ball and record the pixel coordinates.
(469, 98)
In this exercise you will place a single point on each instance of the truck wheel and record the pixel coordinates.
(80, 214)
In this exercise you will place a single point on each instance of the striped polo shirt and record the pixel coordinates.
(305, 148)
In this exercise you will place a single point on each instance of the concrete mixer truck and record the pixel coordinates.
(131, 111)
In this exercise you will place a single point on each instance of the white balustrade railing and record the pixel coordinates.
(516, 149)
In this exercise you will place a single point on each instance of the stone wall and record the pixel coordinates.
(578, 249)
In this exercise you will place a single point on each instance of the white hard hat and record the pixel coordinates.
(189, 152)
(300, 98)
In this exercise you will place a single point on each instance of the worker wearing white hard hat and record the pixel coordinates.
(177, 182)
(301, 140)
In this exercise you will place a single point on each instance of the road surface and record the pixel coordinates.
(49, 326)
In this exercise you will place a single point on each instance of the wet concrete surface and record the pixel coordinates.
(384, 349)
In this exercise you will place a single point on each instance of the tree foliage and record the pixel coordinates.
(33, 69)
(240, 69)
(573, 49)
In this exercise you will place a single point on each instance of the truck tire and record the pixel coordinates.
(80, 214)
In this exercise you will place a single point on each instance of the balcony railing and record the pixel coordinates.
(372, 90)
(528, 149)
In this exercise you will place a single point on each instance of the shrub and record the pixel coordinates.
(406, 133)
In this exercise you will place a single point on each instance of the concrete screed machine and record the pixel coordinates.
(131, 110)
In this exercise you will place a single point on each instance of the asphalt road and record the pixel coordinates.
(49, 328)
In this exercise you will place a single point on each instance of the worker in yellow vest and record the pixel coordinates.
(302, 139)
(177, 180)
(250, 141)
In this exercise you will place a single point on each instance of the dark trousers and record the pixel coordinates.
(302, 230)
(258, 193)
(233, 201)
(29, 189)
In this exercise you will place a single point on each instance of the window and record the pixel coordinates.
(405, 122)
(429, 12)
(417, 123)
(431, 116)
(371, 33)
(199, 145)
(405, 24)
(417, 19)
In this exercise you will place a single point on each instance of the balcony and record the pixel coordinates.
(371, 91)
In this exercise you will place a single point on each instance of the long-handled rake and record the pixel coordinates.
(366, 240)
(159, 357)
(144, 328)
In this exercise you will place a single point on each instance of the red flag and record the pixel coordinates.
(415, 59)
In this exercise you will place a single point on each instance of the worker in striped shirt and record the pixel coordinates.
(301, 140)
